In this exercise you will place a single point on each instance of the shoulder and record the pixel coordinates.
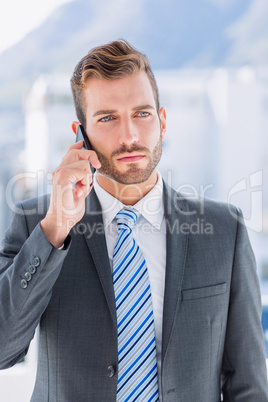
(35, 205)
(32, 210)
(209, 207)
(198, 204)
(195, 207)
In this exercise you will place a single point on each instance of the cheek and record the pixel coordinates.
(105, 145)
(149, 128)
(151, 136)
(99, 139)
(104, 132)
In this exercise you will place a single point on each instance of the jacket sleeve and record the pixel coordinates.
(244, 366)
(29, 267)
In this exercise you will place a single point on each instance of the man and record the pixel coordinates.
(133, 304)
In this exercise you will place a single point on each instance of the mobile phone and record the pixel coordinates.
(81, 135)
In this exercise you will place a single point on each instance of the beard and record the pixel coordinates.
(134, 174)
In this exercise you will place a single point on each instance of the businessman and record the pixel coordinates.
(132, 303)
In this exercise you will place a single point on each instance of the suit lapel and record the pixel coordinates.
(175, 215)
(97, 245)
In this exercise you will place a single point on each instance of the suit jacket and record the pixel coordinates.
(212, 336)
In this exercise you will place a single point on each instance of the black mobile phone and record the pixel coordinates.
(81, 135)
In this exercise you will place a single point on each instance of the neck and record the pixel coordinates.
(128, 194)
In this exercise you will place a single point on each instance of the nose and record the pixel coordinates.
(128, 133)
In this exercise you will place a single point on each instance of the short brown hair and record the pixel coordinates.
(111, 61)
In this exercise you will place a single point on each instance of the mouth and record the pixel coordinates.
(131, 157)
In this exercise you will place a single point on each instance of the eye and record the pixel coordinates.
(106, 118)
(143, 114)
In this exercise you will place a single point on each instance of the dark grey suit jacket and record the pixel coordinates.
(212, 336)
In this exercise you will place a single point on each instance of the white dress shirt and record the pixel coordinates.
(150, 234)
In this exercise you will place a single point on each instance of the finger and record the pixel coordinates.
(87, 179)
(74, 155)
(80, 164)
(66, 176)
(76, 145)
(82, 189)
(94, 160)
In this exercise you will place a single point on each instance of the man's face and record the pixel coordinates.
(124, 127)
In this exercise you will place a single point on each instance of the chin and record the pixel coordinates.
(133, 175)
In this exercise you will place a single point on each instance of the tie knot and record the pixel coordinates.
(127, 218)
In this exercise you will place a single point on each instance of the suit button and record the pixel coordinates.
(36, 261)
(23, 283)
(111, 371)
(32, 269)
(28, 276)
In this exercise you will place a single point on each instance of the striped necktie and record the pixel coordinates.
(137, 367)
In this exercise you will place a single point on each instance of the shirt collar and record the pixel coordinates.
(151, 206)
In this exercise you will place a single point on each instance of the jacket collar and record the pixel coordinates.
(176, 215)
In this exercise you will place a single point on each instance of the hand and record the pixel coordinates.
(71, 184)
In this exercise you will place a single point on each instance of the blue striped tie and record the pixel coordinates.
(137, 367)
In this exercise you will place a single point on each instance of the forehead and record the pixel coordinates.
(132, 90)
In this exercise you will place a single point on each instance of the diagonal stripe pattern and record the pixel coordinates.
(137, 367)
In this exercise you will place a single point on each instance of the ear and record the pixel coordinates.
(75, 124)
(163, 122)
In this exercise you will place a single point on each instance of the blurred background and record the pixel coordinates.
(210, 59)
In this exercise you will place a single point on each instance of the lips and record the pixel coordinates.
(131, 158)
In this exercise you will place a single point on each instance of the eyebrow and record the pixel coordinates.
(142, 107)
(111, 111)
(104, 112)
